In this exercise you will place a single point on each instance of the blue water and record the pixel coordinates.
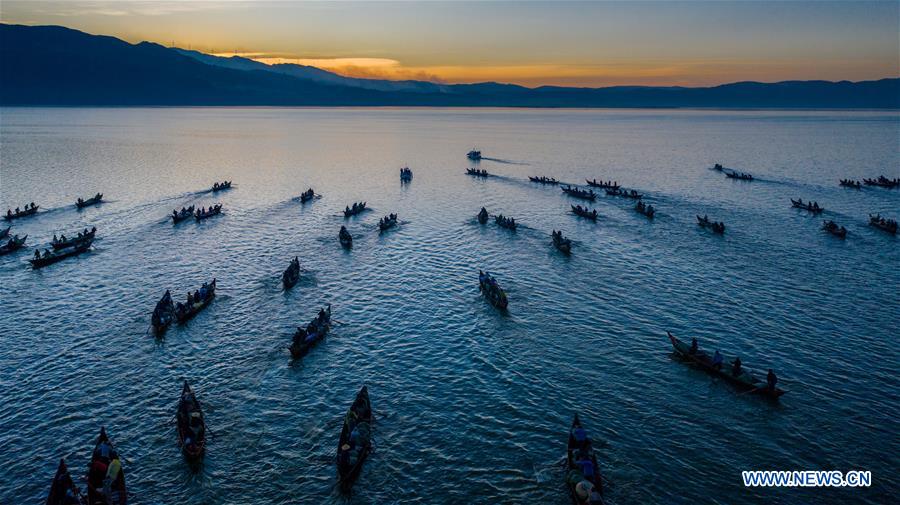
(473, 404)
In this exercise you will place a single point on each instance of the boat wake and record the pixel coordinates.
(508, 162)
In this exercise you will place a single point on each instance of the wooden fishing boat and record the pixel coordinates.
(591, 494)
(387, 222)
(745, 380)
(718, 167)
(221, 186)
(563, 244)
(63, 490)
(405, 174)
(29, 211)
(579, 193)
(850, 183)
(645, 209)
(206, 214)
(12, 245)
(345, 238)
(104, 456)
(62, 244)
(888, 225)
(506, 222)
(740, 176)
(184, 312)
(307, 195)
(715, 226)
(305, 339)
(584, 212)
(882, 182)
(180, 215)
(492, 290)
(355, 209)
(482, 216)
(163, 314)
(602, 184)
(543, 180)
(191, 425)
(94, 200)
(477, 173)
(5, 233)
(815, 209)
(833, 228)
(355, 442)
(291, 274)
(61, 255)
(474, 155)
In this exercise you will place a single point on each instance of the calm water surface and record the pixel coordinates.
(473, 405)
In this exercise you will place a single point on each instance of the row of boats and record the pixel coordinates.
(881, 181)
(167, 311)
(31, 209)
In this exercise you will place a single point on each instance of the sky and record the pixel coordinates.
(531, 43)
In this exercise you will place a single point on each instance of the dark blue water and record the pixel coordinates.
(473, 405)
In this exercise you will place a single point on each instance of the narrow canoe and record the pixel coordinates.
(97, 473)
(745, 380)
(191, 425)
(575, 474)
(358, 419)
(59, 256)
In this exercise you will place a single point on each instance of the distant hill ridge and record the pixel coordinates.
(53, 65)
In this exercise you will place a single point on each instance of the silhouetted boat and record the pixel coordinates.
(492, 290)
(482, 216)
(291, 274)
(477, 173)
(63, 490)
(741, 176)
(307, 195)
(355, 441)
(543, 180)
(221, 186)
(888, 225)
(850, 183)
(474, 155)
(355, 209)
(185, 311)
(90, 201)
(645, 209)
(13, 244)
(345, 238)
(180, 215)
(832, 228)
(585, 212)
(406, 174)
(306, 338)
(744, 380)
(163, 314)
(808, 206)
(387, 222)
(883, 182)
(191, 425)
(45, 260)
(202, 213)
(29, 211)
(715, 226)
(584, 194)
(77, 239)
(602, 184)
(560, 242)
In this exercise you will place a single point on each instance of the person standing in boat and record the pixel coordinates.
(736, 367)
(717, 360)
(771, 380)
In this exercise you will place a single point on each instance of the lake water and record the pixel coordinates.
(473, 405)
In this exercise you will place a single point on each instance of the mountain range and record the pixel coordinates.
(58, 66)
